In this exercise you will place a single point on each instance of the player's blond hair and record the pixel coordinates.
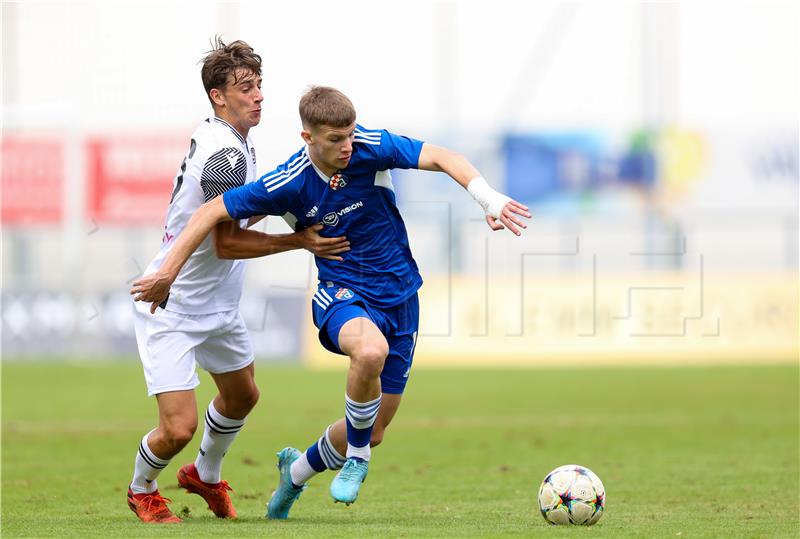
(236, 59)
(323, 105)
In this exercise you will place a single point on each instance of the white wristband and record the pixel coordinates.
(490, 200)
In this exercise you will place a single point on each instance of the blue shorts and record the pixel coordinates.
(333, 306)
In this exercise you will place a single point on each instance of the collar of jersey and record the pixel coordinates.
(321, 174)
(235, 132)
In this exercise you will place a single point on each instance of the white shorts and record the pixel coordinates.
(171, 344)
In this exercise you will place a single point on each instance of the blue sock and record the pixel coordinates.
(360, 418)
(322, 455)
(314, 458)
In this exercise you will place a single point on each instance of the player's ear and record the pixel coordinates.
(217, 97)
(306, 135)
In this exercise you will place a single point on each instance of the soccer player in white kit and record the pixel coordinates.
(199, 323)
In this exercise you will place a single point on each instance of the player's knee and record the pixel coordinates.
(250, 399)
(178, 436)
(240, 404)
(370, 358)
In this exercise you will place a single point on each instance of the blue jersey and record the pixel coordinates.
(357, 202)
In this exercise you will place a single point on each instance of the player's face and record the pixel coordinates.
(331, 147)
(241, 101)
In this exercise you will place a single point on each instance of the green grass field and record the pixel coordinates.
(683, 452)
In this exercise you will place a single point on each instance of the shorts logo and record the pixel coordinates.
(330, 219)
(312, 212)
(337, 181)
(343, 293)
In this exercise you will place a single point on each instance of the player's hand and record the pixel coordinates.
(510, 216)
(152, 288)
(323, 247)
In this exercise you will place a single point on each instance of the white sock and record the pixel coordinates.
(302, 471)
(146, 468)
(218, 435)
(363, 453)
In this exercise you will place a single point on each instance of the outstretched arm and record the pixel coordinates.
(154, 287)
(230, 242)
(497, 206)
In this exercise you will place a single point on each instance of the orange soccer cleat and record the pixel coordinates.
(151, 507)
(215, 495)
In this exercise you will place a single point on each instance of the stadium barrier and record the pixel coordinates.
(664, 318)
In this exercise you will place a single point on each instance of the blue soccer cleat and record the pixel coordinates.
(286, 493)
(344, 487)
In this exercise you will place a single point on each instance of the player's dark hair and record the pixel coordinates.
(235, 59)
(323, 105)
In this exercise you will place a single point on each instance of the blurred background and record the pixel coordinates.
(656, 144)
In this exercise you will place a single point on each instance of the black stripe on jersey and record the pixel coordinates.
(224, 170)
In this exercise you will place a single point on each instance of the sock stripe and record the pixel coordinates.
(216, 427)
(327, 436)
(330, 457)
(353, 403)
(325, 454)
(362, 415)
(363, 410)
(331, 460)
(362, 423)
(149, 460)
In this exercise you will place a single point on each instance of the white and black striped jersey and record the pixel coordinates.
(219, 159)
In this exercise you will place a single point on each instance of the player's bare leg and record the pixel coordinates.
(238, 392)
(177, 422)
(367, 348)
(224, 418)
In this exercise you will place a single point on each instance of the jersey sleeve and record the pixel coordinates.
(396, 151)
(271, 194)
(224, 170)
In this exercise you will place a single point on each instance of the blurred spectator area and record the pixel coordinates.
(655, 142)
(82, 217)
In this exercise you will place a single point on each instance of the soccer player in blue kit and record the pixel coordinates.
(366, 305)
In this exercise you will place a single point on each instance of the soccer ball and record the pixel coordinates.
(572, 494)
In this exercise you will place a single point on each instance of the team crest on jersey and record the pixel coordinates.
(344, 293)
(337, 181)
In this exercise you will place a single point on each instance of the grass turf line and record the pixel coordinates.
(692, 452)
